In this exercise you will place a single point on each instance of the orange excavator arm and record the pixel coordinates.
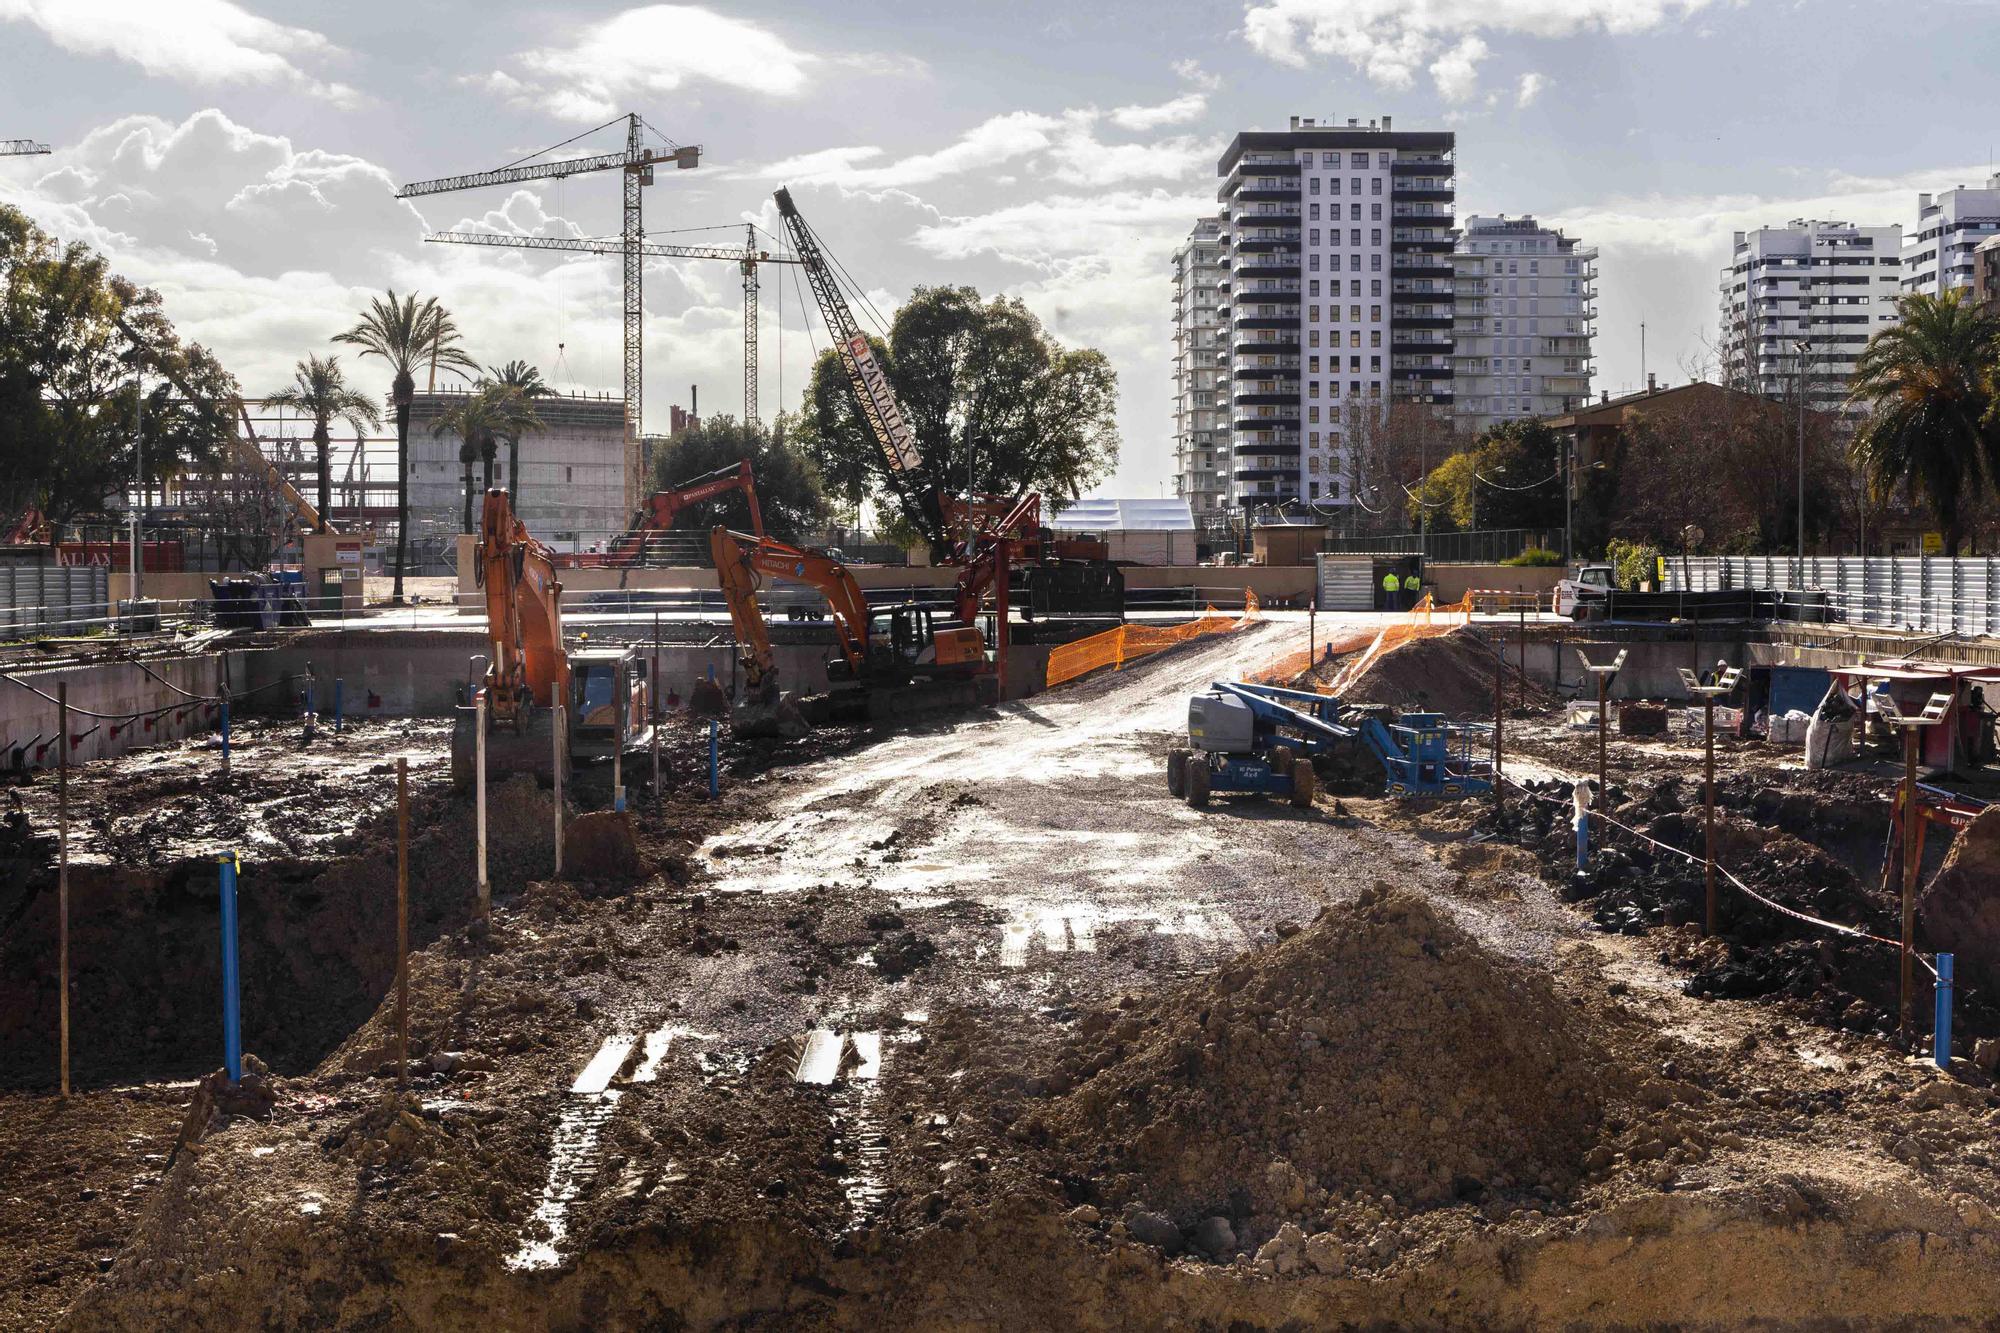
(665, 506)
(527, 663)
(740, 562)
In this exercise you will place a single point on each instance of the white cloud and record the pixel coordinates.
(1062, 148)
(1003, 138)
(1192, 72)
(1178, 111)
(1038, 231)
(203, 42)
(1389, 40)
(1532, 85)
(1456, 72)
(649, 51)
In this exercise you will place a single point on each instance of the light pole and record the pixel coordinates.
(138, 467)
(1802, 348)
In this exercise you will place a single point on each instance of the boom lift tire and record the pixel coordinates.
(1196, 781)
(1176, 772)
(1281, 759)
(1303, 784)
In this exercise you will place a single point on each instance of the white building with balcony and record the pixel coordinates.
(1802, 300)
(1951, 224)
(1340, 291)
(1522, 323)
(1201, 370)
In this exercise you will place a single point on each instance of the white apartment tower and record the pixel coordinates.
(1803, 300)
(1523, 322)
(1340, 292)
(1954, 223)
(1201, 370)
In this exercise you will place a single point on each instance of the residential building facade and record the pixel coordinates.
(1340, 294)
(1801, 301)
(571, 491)
(1938, 255)
(1523, 319)
(1201, 370)
(1986, 274)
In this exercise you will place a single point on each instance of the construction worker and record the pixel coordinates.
(1413, 588)
(1391, 590)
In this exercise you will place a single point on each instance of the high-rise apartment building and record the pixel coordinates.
(1523, 320)
(1340, 294)
(1201, 370)
(1802, 301)
(1950, 225)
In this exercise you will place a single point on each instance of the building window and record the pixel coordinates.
(1374, 185)
(569, 474)
(1354, 338)
(1312, 186)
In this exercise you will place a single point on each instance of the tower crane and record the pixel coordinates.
(22, 148)
(746, 259)
(636, 162)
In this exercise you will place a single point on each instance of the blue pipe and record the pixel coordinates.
(232, 1003)
(1941, 1038)
(1582, 822)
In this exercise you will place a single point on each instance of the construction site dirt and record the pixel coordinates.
(974, 1026)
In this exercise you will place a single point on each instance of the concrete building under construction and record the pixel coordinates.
(571, 488)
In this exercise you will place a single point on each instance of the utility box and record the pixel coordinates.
(1221, 724)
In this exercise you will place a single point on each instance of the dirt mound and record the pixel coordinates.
(601, 845)
(1961, 914)
(1448, 673)
(1379, 1049)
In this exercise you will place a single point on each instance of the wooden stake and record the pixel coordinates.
(479, 786)
(62, 874)
(1499, 715)
(561, 715)
(1603, 726)
(402, 922)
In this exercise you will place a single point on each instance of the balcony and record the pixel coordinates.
(1271, 192)
(1278, 264)
(1276, 242)
(1281, 441)
(1249, 367)
(1425, 164)
(1288, 424)
(1401, 340)
(1253, 347)
(1422, 191)
(1266, 395)
(1423, 287)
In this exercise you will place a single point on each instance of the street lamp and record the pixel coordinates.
(1802, 347)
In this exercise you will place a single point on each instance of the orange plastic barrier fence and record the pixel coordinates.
(1420, 622)
(1114, 648)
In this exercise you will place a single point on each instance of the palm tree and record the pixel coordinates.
(489, 411)
(406, 333)
(528, 380)
(1927, 381)
(319, 390)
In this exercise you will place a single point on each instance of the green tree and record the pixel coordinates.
(987, 392)
(1509, 478)
(1928, 384)
(406, 333)
(790, 494)
(319, 390)
(528, 380)
(74, 343)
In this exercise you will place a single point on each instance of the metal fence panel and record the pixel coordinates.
(1920, 594)
(43, 597)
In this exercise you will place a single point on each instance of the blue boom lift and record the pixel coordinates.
(1261, 739)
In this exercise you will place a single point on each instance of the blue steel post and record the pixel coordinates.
(1582, 822)
(232, 1009)
(1941, 1040)
(714, 729)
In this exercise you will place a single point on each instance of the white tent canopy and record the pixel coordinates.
(1111, 515)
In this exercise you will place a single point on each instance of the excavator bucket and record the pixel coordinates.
(531, 749)
(777, 718)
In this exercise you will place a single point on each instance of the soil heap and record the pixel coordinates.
(1960, 910)
(1379, 1049)
(1449, 673)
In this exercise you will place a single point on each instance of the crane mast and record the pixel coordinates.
(22, 148)
(872, 392)
(635, 165)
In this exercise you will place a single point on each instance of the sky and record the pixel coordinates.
(243, 158)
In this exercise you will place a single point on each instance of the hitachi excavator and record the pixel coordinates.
(530, 671)
(663, 507)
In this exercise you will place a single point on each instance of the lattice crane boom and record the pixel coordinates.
(873, 395)
(22, 148)
(748, 258)
(636, 165)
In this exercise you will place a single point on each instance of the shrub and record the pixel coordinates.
(1535, 557)
(1632, 562)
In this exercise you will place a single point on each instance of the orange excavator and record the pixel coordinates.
(664, 507)
(530, 671)
(890, 661)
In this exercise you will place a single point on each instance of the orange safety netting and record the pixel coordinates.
(1114, 648)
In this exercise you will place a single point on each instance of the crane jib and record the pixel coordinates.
(898, 442)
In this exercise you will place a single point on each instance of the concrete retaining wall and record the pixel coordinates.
(115, 688)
